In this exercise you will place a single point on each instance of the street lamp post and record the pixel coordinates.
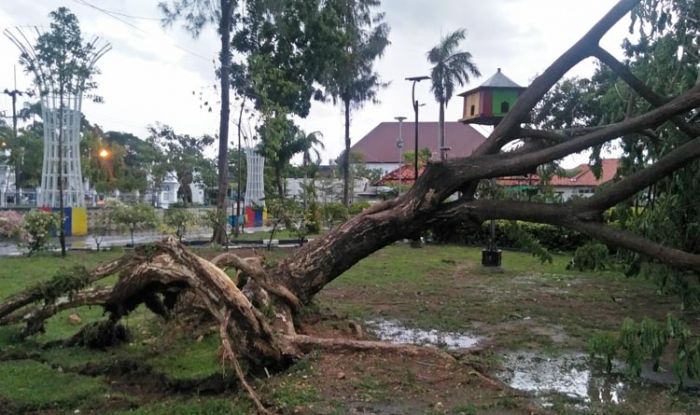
(415, 79)
(399, 145)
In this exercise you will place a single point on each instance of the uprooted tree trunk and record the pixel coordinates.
(159, 274)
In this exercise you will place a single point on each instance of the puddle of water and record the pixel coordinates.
(395, 332)
(570, 375)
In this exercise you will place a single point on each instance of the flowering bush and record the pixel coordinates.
(10, 224)
(38, 226)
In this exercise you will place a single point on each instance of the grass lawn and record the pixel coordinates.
(265, 236)
(170, 368)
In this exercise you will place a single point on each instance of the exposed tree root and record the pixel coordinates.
(230, 356)
(307, 344)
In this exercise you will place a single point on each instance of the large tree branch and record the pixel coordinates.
(629, 186)
(641, 88)
(445, 178)
(543, 83)
(36, 293)
(569, 216)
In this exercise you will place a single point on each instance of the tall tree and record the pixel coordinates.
(351, 80)
(197, 14)
(450, 67)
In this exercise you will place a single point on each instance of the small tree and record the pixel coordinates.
(10, 224)
(38, 226)
(133, 217)
(100, 226)
(179, 219)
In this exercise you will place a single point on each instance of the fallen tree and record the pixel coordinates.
(159, 275)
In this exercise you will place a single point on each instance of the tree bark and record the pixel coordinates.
(346, 155)
(441, 132)
(220, 236)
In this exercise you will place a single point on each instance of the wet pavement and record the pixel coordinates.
(89, 242)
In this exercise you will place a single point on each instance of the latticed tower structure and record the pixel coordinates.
(61, 114)
(255, 186)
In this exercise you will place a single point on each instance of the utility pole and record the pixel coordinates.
(415, 79)
(399, 145)
(14, 93)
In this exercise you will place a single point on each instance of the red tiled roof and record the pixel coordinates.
(405, 172)
(379, 145)
(584, 176)
(529, 180)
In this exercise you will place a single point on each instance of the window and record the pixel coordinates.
(472, 110)
(505, 107)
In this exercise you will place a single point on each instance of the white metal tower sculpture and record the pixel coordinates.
(255, 186)
(61, 114)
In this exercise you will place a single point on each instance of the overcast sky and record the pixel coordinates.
(151, 73)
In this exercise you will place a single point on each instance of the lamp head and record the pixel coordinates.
(417, 78)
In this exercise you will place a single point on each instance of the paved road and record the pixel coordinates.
(88, 242)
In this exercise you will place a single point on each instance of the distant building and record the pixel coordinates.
(7, 183)
(169, 188)
(402, 175)
(582, 183)
(379, 149)
(328, 189)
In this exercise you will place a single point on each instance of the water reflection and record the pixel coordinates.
(395, 332)
(570, 375)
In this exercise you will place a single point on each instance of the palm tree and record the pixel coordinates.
(312, 142)
(282, 140)
(449, 67)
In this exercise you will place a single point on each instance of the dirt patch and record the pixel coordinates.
(392, 384)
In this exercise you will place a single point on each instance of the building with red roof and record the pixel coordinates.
(582, 182)
(379, 149)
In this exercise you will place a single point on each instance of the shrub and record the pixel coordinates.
(133, 217)
(358, 207)
(38, 226)
(179, 219)
(10, 224)
(334, 213)
(590, 257)
(213, 217)
(313, 218)
(551, 237)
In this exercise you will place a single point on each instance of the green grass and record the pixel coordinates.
(442, 287)
(194, 406)
(18, 273)
(189, 359)
(33, 385)
(265, 236)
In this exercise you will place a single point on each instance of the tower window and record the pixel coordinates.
(472, 110)
(504, 107)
